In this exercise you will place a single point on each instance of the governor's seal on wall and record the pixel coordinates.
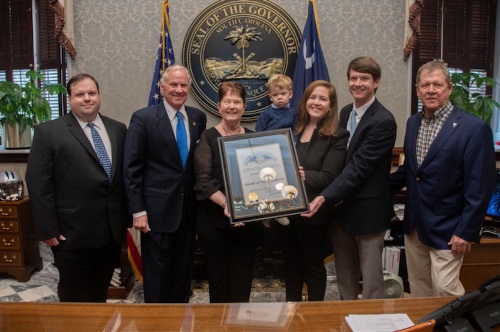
(240, 40)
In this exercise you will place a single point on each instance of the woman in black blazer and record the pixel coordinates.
(321, 146)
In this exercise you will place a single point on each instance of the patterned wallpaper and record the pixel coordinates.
(117, 42)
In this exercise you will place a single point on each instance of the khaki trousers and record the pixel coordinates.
(432, 272)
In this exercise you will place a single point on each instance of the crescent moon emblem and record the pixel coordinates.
(308, 60)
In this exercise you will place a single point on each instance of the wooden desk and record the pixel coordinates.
(307, 316)
(481, 264)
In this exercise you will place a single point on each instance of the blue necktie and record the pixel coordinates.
(100, 150)
(182, 143)
(353, 122)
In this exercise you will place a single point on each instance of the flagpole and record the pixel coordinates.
(165, 23)
(315, 9)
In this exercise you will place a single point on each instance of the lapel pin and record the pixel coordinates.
(454, 124)
(194, 123)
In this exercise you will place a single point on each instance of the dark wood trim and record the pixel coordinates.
(13, 156)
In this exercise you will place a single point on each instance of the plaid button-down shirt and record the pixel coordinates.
(429, 128)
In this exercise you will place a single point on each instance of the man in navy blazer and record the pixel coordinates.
(449, 174)
(361, 192)
(159, 188)
(78, 210)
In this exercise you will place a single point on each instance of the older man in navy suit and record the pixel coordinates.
(75, 183)
(449, 174)
(159, 179)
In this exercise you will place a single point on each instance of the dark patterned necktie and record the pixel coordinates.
(100, 150)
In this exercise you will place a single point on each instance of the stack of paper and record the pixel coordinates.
(378, 323)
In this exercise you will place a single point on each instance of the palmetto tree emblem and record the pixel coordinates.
(242, 36)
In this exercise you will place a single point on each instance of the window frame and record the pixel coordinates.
(457, 32)
(23, 44)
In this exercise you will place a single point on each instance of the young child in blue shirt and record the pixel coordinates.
(279, 115)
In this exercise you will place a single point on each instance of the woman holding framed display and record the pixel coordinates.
(229, 249)
(321, 146)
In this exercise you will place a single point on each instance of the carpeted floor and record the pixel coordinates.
(42, 287)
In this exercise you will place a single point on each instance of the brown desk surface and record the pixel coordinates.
(307, 316)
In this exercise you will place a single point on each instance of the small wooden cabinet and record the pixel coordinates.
(481, 264)
(19, 248)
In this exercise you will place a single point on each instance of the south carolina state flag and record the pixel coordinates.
(164, 58)
(311, 65)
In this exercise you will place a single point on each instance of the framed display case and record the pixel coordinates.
(261, 176)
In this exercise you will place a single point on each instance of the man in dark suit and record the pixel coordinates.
(78, 201)
(361, 192)
(449, 174)
(159, 180)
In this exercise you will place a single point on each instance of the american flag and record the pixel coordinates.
(164, 58)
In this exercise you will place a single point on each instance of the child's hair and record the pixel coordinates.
(279, 81)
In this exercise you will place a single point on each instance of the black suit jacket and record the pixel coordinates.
(322, 161)
(68, 188)
(155, 180)
(362, 191)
